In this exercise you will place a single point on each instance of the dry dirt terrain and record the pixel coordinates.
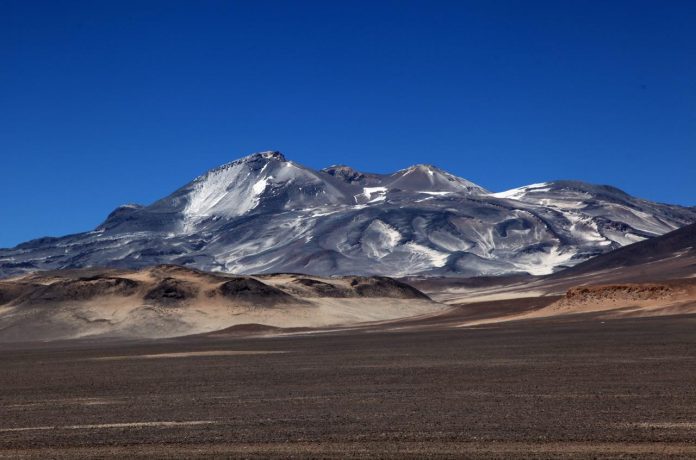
(544, 388)
(171, 301)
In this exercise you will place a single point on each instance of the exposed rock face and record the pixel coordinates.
(379, 286)
(171, 291)
(619, 292)
(249, 290)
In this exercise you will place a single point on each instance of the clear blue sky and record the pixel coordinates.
(108, 102)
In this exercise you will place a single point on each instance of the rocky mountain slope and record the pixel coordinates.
(672, 255)
(266, 214)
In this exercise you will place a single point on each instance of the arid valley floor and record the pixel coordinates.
(544, 388)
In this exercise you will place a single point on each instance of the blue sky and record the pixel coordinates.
(109, 102)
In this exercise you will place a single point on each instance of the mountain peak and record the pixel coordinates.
(422, 167)
(344, 172)
(264, 156)
(432, 178)
(256, 160)
(269, 154)
(233, 188)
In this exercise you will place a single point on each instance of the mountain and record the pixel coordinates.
(264, 214)
(669, 256)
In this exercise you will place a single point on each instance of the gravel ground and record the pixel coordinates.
(535, 389)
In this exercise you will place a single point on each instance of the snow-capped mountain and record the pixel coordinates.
(263, 214)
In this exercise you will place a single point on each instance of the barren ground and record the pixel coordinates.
(543, 388)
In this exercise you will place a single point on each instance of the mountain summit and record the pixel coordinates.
(264, 213)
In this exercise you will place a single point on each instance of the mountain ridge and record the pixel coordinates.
(264, 213)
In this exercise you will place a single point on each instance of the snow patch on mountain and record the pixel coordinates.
(225, 192)
(379, 239)
(434, 193)
(421, 256)
(520, 192)
(544, 262)
(379, 192)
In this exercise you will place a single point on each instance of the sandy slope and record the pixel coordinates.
(495, 301)
(635, 299)
(169, 301)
